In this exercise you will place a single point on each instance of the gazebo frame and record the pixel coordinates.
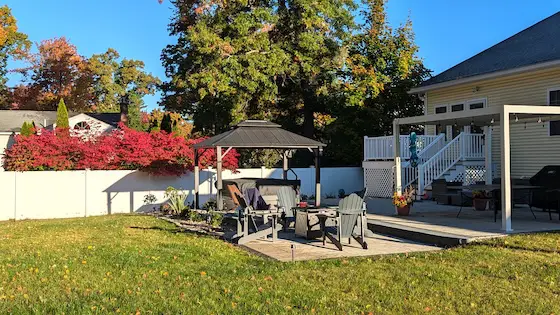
(482, 117)
(256, 134)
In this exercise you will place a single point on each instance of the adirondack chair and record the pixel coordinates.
(349, 214)
(247, 214)
(287, 204)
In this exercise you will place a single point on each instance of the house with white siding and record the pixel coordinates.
(523, 69)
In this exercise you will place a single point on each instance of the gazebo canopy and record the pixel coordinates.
(259, 134)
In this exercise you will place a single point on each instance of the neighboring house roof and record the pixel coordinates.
(535, 45)
(259, 134)
(12, 120)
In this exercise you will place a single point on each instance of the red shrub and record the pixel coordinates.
(125, 149)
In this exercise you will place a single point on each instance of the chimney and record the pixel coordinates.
(123, 103)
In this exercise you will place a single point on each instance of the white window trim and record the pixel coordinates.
(483, 100)
(440, 106)
(556, 88)
(455, 104)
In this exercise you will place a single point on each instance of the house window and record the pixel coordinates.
(441, 109)
(476, 105)
(457, 108)
(82, 125)
(554, 100)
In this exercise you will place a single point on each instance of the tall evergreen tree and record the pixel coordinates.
(26, 129)
(166, 124)
(62, 115)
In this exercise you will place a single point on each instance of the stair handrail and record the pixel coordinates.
(409, 173)
(440, 163)
(431, 149)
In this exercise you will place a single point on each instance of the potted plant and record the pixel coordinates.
(404, 201)
(480, 200)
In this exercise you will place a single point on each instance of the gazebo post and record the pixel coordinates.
(285, 165)
(506, 169)
(219, 201)
(196, 179)
(317, 153)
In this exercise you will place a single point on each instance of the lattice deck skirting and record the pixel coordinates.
(379, 182)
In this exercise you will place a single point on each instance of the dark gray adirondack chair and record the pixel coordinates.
(350, 213)
(287, 205)
(246, 215)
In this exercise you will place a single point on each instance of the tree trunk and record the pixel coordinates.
(308, 109)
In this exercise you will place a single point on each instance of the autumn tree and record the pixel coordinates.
(13, 44)
(179, 125)
(57, 71)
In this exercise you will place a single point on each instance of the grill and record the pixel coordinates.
(549, 178)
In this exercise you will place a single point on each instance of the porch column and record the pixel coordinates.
(488, 154)
(397, 149)
(506, 168)
(219, 201)
(196, 179)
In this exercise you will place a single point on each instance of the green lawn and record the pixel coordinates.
(138, 264)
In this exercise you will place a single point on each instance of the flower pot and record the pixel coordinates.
(404, 211)
(480, 204)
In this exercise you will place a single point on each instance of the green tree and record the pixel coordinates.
(13, 44)
(26, 129)
(114, 78)
(62, 115)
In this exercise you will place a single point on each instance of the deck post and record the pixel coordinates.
(397, 150)
(196, 179)
(506, 169)
(488, 154)
(219, 200)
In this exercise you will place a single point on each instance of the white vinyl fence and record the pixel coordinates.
(49, 194)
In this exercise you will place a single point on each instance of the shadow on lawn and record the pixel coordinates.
(502, 243)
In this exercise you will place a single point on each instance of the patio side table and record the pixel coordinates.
(308, 224)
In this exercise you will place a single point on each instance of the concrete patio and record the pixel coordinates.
(429, 218)
(313, 249)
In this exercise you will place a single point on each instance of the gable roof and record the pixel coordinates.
(259, 134)
(12, 120)
(112, 119)
(535, 45)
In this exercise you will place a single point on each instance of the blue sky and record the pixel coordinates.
(447, 31)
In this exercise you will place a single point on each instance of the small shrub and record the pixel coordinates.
(331, 196)
(216, 219)
(304, 197)
(176, 200)
(194, 216)
(149, 199)
(210, 205)
(341, 193)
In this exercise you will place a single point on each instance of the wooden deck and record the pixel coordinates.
(313, 249)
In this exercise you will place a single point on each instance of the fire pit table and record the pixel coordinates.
(308, 223)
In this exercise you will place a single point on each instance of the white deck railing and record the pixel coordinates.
(472, 146)
(464, 146)
(381, 148)
(440, 163)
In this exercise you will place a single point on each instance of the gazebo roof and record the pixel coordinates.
(259, 134)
